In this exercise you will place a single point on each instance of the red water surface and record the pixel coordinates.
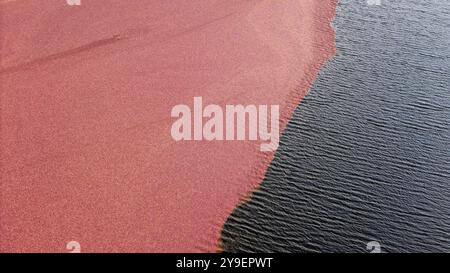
(86, 96)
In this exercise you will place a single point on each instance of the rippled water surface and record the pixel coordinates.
(367, 154)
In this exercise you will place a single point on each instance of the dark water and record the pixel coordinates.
(367, 153)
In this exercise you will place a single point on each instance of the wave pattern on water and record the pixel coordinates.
(367, 154)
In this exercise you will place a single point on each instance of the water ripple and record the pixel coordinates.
(367, 154)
